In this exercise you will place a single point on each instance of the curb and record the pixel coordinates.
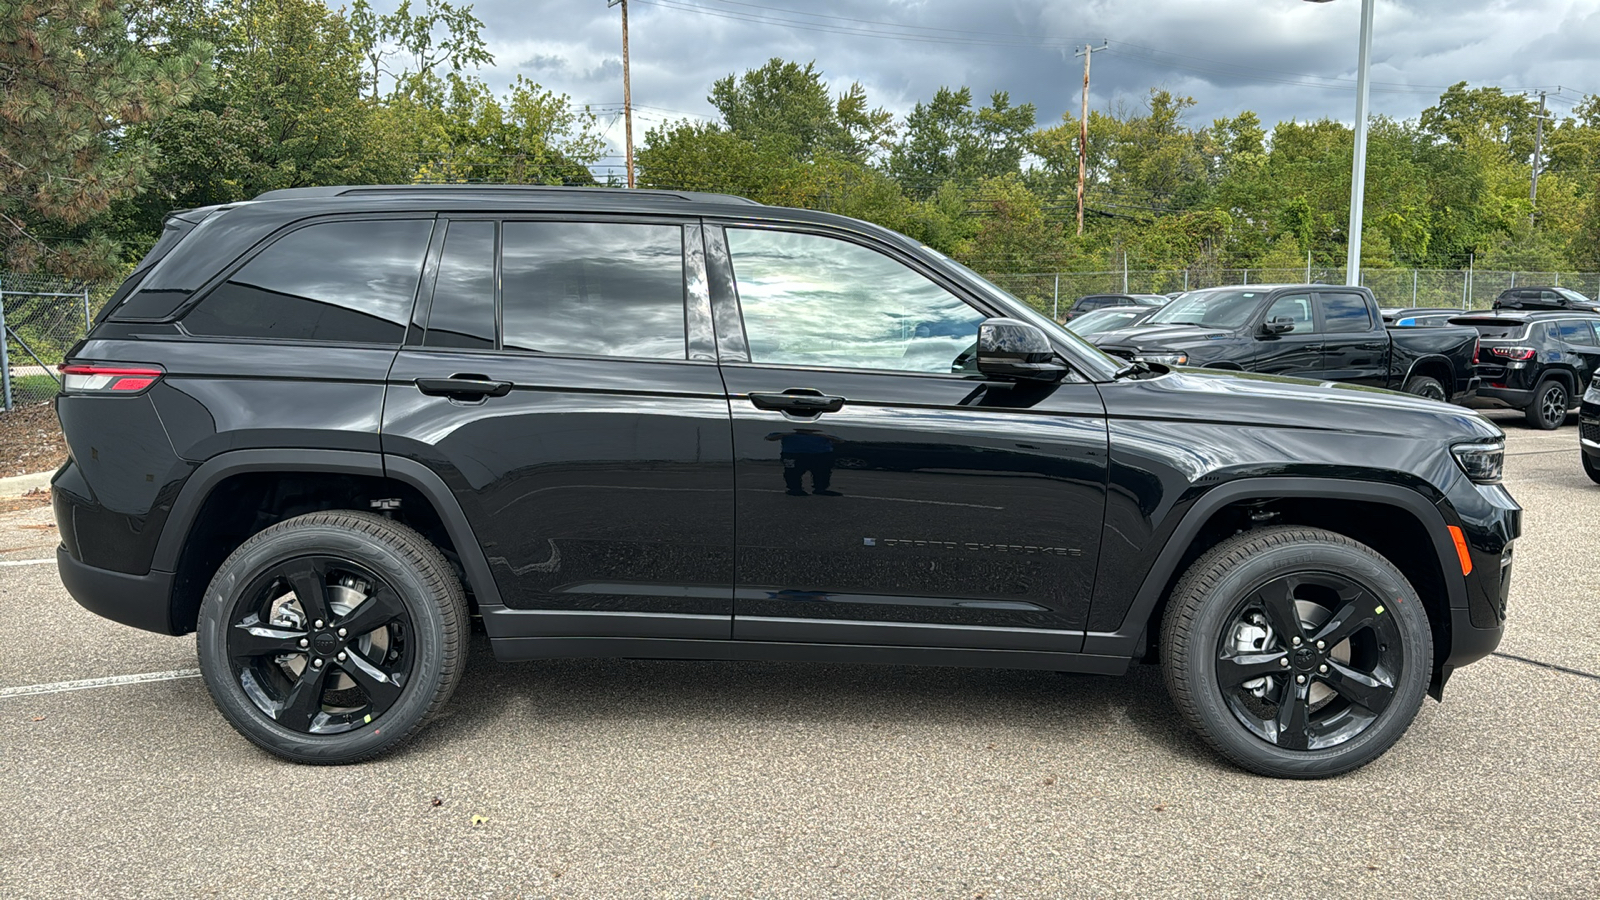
(18, 485)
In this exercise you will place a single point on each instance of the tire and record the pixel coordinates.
(1589, 468)
(1426, 387)
(1548, 411)
(1222, 642)
(279, 668)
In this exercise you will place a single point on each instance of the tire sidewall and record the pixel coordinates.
(1377, 576)
(1544, 390)
(271, 547)
(1420, 383)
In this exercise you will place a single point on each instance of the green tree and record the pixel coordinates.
(785, 108)
(946, 139)
(441, 38)
(79, 92)
(531, 136)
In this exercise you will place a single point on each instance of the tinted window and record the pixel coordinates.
(350, 282)
(462, 314)
(1577, 331)
(1344, 313)
(1292, 306)
(593, 289)
(817, 301)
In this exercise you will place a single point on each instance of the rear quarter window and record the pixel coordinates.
(339, 282)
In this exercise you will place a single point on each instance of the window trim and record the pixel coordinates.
(226, 273)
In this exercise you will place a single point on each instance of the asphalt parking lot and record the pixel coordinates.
(676, 779)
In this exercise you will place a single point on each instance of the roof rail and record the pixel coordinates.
(306, 193)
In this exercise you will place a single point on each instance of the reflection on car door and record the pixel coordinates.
(1354, 347)
(1296, 352)
(887, 494)
(586, 437)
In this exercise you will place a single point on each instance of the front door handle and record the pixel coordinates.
(801, 401)
(463, 387)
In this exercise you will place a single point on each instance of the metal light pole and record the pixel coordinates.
(1358, 166)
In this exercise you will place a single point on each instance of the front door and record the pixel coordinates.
(886, 493)
(586, 437)
(1297, 351)
(1354, 347)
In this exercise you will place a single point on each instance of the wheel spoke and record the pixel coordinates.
(1233, 671)
(1356, 613)
(304, 701)
(380, 608)
(382, 688)
(1365, 691)
(1277, 601)
(1294, 714)
(250, 638)
(310, 584)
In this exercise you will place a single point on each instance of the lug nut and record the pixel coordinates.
(1321, 645)
(304, 642)
(317, 664)
(319, 623)
(341, 656)
(1283, 663)
(1299, 679)
(1296, 641)
(342, 632)
(1322, 669)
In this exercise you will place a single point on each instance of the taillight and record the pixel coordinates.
(1513, 352)
(92, 379)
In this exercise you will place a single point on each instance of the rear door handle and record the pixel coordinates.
(802, 401)
(463, 387)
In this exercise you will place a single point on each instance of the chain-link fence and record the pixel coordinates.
(1467, 289)
(41, 317)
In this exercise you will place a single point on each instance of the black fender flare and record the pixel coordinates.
(186, 508)
(1125, 639)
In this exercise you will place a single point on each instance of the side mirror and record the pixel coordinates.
(1012, 348)
(1277, 325)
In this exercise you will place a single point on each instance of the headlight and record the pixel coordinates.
(1165, 359)
(1483, 461)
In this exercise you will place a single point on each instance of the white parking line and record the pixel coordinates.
(28, 690)
(27, 562)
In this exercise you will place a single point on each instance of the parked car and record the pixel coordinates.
(1589, 432)
(1420, 316)
(1554, 298)
(324, 429)
(1094, 302)
(1538, 362)
(1322, 332)
(1110, 319)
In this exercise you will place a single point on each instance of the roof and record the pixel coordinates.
(1523, 314)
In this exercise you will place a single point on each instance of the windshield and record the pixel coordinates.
(1100, 367)
(1572, 295)
(1216, 309)
(1102, 320)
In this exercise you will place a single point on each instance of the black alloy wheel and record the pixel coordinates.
(1549, 409)
(1296, 652)
(332, 637)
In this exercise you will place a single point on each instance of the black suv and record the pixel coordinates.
(1540, 363)
(1094, 302)
(1555, 298)
(327, 428)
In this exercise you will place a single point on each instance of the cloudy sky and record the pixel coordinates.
(1282, 58)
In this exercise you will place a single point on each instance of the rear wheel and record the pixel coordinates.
(332, 637)
(1549, 408)
(1426, 387)
(1296, 652)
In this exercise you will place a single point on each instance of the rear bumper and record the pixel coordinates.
(143, 601)
(1516, 398)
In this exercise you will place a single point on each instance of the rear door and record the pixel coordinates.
(888, 494)
(1580, 349)
(1295, 352)
(1355, 346)
(563, 383)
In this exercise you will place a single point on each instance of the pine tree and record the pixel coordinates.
(73, 76)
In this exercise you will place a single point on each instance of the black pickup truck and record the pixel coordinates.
(1313, 331)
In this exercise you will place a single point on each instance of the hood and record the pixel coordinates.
(1247, 398)
(1142, 337)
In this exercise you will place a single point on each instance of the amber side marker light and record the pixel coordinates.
(1461, 548)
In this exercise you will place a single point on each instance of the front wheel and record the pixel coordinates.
(1549, 408)
(332, 637)
(1296, 652)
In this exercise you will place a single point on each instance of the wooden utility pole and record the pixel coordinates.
(1538, 157)
(627, 89)
(1083, 130)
